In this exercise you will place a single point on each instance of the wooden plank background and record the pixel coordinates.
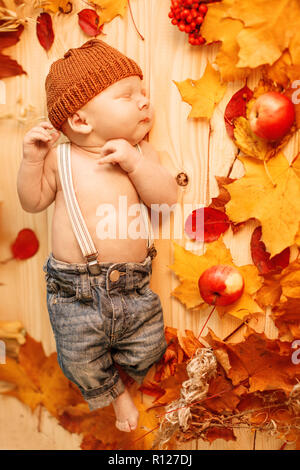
(185, 145)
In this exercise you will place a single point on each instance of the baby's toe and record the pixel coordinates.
(123, 426)
(133, 421)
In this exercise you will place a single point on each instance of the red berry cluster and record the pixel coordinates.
(188, 15)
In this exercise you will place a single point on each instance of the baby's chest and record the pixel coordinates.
(103, 185)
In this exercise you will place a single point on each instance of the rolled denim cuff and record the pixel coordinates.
(105, 399)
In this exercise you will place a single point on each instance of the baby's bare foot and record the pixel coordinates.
(126, 412)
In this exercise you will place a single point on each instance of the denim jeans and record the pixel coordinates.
(101, 319)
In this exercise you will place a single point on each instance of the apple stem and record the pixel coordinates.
(268, 174)
(210, 314)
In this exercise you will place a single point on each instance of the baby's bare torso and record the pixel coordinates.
(94, 185)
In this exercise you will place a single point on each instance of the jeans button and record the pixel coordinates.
(114, 275)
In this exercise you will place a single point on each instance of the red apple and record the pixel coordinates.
(271, 116)
(221, 285)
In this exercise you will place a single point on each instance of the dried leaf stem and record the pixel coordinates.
(129, 6)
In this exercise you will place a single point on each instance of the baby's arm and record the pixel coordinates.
(153, 182)
(36, 183)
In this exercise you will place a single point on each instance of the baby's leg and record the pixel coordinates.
(126, 412)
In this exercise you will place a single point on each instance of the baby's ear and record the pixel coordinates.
(78, 123)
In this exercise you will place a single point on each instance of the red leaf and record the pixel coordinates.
(236, 107)
(10, 38)
(9, 67)
(89, 22)
(44, 30)
(25, 245)
(206, 224)
(261, 258)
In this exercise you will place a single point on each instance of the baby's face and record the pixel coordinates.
(117, 112)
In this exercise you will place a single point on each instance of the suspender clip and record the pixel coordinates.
(152, 252)
(93, 265)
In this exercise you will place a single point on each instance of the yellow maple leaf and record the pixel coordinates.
(254, 146)
(272, 197)
(54, 6)
(278, 72)
(110, 9)
(218, 27)
(189, 267)
(203, 94)
(253, 33)
(270, 28)
(247, 141)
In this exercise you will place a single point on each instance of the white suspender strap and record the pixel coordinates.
(147, 223)
(78, 224)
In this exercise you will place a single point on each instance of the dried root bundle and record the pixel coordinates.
(191, 417)
(200, 369)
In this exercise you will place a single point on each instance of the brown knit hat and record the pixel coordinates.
(82, 74)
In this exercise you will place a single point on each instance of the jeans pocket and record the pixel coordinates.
(63, 298)
(144, 288)
(63, 292)
(51, 300)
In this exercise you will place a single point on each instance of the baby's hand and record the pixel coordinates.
(122, 152)
(38, 141)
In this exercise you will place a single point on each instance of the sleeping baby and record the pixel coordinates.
(101, 308)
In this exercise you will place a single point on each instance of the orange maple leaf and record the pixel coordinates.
(266, 32)
(217, 26)
(281, 291)
(39, 380)
(262, 363)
